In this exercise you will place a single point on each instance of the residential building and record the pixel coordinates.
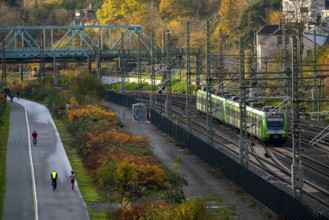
(85, 17)
(272, 39)
(308, 12)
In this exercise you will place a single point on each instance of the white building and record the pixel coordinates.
(271, 39)
(309, 12)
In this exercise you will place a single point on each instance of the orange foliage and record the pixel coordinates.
(112, 136)
(92, 113)
(130, 168)
(274, 17)
(190, 209)
(138, 211)
(115, 159)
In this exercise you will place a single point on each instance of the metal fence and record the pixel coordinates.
(274, 198)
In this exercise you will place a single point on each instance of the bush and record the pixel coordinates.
(87, 89)
(3, 104)
(128, 172)
(194, 209)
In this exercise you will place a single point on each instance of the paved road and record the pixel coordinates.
(29, 194)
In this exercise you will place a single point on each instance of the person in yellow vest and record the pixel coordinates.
(53, 177)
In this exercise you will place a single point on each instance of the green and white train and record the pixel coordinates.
(260, 124)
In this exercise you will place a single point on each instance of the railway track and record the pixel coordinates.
(262, 156)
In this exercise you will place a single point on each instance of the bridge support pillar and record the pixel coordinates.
(21, 71)
(99, 65)
(89, 64)
(55, 72)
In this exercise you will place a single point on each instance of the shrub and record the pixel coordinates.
(129, 170)
(86, 88)
(3, 104)
(194, 209)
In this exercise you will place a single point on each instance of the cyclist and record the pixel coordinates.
(34, 135)
(72, 179)
(53, 177)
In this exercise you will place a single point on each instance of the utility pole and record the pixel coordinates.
(139, 72)
(244, 151)
(208, 88)
(220, 60)
(297, 175)
(285, 64)
(153, 97)
(188, 80)
(168, 78)
(284, 45)
(121, 64)
(315, 94)
(254, 61)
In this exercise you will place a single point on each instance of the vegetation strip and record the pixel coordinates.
(86, 186)
(4, 132)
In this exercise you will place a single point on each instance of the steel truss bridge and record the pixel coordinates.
(27, 43)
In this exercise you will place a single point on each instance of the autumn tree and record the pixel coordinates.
(126, 10)
(229, 13)
(202, 9)
(274, 17)
(169, 9)
(9, 16)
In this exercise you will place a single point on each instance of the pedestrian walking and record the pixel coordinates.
(53, 177)
(72, 179)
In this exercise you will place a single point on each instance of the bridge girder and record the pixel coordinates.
(22, 42)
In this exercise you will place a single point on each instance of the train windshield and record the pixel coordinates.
(275, 120)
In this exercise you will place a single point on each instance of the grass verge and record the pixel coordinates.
(86, 186)
(4, 132)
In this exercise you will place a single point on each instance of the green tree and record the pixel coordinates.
(86, 88)
(11, 3)
(253, 17)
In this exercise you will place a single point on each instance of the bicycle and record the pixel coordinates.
(35, 141)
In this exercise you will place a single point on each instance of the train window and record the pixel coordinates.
(274, 122)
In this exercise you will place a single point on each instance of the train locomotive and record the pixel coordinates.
(267, 127)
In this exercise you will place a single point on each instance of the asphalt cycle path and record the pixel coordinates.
(18, 202)
(35, 189)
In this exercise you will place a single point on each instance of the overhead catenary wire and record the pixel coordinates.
(315, 140)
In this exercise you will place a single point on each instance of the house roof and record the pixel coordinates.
(320, 40)
(321, 35)
(270, 29)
